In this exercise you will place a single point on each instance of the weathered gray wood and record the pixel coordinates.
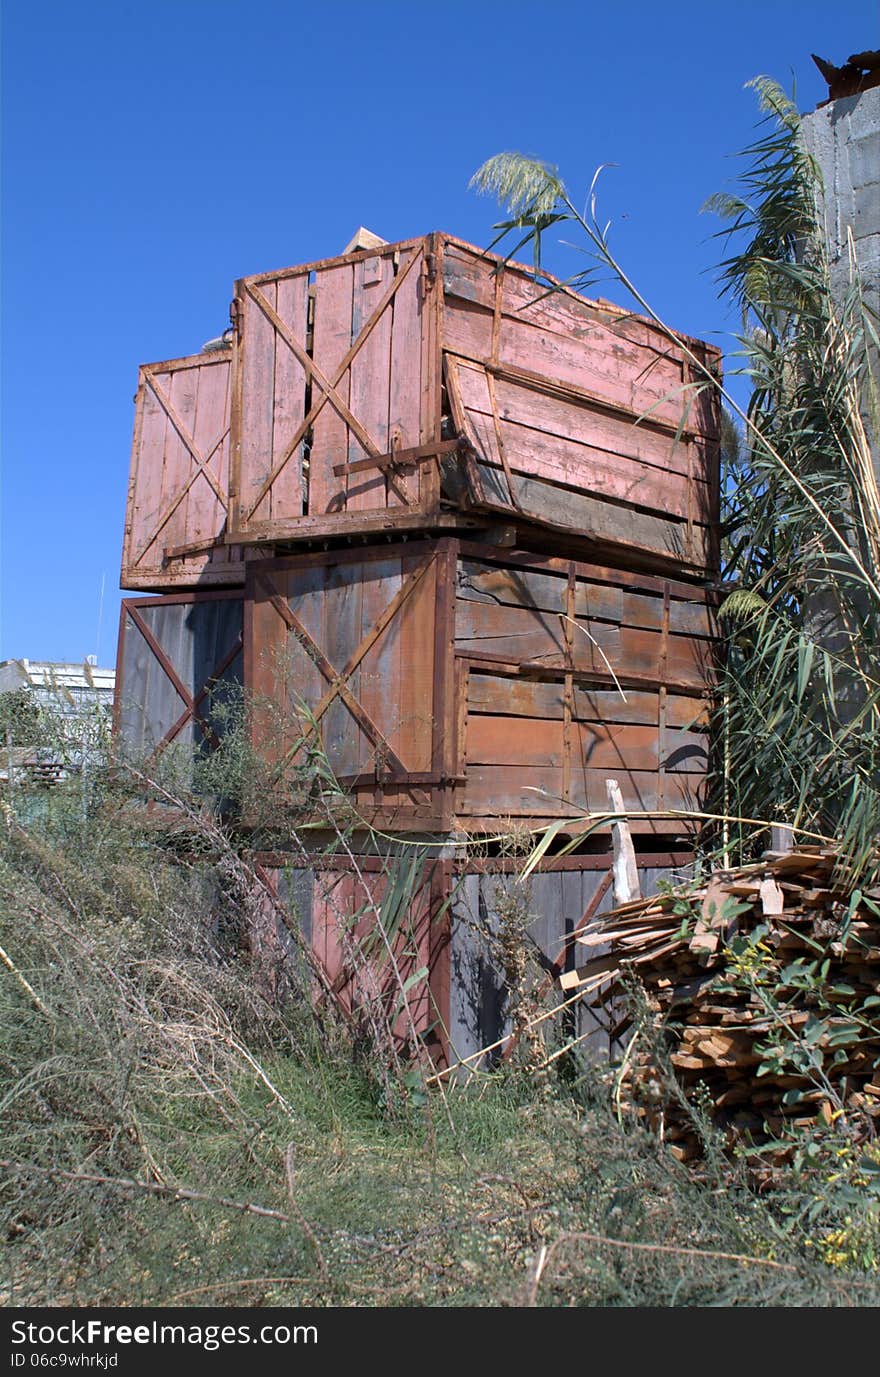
(195, 637)
(343, 595)
(476, 994)
(544, 699)
(603, 522)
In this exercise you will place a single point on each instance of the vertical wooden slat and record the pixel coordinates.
(432, 366)
(128, 551)
(341, 635)
(381, 669)
(181, 387)
(444, 744)
(205, 516)
(286, 498)
(661, 701)
(370, 381)
(151, 458)
(413, 739)
(568, 690)
(257, 401)
(404, 406)
(332, 339)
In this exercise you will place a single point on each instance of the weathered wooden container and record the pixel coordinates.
(419, 386)
(448, 947)
(175, 653)
(178, 492)
(453, 686)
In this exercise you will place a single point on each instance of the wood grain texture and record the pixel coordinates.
(575, 443)
(362, 667)
(334, 288)
(178, 488)
(177, 656)
(369, 392)
(622, 358)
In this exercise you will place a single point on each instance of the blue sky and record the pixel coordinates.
(154, 153)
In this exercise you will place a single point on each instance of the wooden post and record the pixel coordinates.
(626, 874)
(781, 839)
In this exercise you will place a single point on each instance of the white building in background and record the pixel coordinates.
(74, 705)
(66, 688)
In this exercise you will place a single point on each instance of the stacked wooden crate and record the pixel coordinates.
(470, 525)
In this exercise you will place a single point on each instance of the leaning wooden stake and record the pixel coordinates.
(626, 874)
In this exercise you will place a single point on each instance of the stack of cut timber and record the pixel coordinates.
(774, 956)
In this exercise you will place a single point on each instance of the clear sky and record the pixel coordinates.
(153, 152)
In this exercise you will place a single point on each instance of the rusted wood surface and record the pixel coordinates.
(345, 904)
(179, 475)
(177, 656)
(597, 745)
(337, 423)
(622, 358)
(318, 404)
(441, 684)
(535, 639)
(269, 432)
(566, 439)
(345, 642)
(631, 532)
(533, 792)
(517, 696)
(580, 417)
(555, 903)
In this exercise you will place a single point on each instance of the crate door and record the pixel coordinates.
(179, 657)
(333, 403)
(343, 659)
(179, 486)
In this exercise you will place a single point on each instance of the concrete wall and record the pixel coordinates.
(844, 138)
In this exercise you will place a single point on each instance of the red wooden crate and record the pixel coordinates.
(452, 686)
(420, 386)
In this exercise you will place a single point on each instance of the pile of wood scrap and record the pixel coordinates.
(763, 987)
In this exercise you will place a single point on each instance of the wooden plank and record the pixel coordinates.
(602, 522)
(494, 791)
(147, 464)
(416, 619)
(577, 465)
(206, 515)
(342, 259)
(386, 523)
(258, 349)
(176, 463)
(529, 634)
(523, 587)
(574, 444)
(432, 399)
(341, 634)
(312, 646)
(286, 497)
(381, 668)
(563, 336)
(522, 697)
(398, 458)
(370, 384)
(580, 421)
(636, 580)
(500, 740)
(404, 400)
(333, 288)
